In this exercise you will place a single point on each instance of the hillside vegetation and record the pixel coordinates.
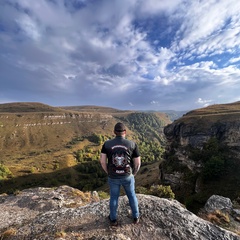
(49, 146)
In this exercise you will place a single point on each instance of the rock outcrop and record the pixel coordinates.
(67, 213)
(216, 202)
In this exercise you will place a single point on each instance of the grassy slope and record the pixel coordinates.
(36, 155)
(17, 107)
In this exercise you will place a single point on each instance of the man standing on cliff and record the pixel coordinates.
(120, 159)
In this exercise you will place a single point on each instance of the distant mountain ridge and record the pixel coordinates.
(91, 108)
(174, 115)
(18, 107)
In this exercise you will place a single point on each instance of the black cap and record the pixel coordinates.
(119, 127)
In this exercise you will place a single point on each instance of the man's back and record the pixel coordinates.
(120, 153)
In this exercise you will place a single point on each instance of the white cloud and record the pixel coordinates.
(30, 27)
(130, 104)
(163, 81)
(155, 7)
(210, 25)
(121, 52)
(234, 60)
(203, 102)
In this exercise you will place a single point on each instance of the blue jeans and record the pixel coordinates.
(128, 184)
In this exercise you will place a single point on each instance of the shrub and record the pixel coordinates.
(213, 168)
(142, 190)
(162, 191)
(4, 172)
(103, 195)
(215, 159)
(157, 190)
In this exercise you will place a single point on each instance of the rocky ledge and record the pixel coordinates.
(67, 213)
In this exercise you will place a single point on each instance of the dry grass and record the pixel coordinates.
(60, 234)
(218, 109)
(219, 218)
(203, 118)
(223, 220)
(8, 233)
(85, 196)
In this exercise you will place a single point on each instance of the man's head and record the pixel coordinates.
(119, 129)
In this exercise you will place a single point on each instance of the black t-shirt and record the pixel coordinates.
(120, 153)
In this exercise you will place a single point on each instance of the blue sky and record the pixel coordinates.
(126, 54)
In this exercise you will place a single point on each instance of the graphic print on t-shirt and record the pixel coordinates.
(120, 163)
(119, 160)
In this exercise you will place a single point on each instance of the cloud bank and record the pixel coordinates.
(129, 54)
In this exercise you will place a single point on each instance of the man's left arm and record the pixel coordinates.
(137, 165)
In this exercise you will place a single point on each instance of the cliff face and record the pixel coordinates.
(21, 131)
(66, 213)
(187, 167)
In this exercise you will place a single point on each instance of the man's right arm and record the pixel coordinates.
(103, 161)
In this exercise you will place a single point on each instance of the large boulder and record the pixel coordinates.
(221, 211)
(66, 213)
(216, 202)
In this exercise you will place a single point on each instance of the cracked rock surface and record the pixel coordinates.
(63, 213)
